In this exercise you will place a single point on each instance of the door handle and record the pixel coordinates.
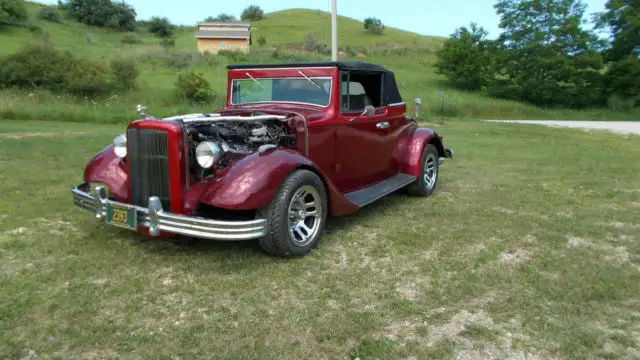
(382, 125)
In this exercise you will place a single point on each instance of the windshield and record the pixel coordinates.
(314, 90)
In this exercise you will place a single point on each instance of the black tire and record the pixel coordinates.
(280, 240)
(422, 187)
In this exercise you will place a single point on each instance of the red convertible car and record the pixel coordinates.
(295, 143)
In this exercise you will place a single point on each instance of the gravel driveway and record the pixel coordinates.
(620, 127)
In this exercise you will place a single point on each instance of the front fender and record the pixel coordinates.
(105, 167)
(417, 139)
(253, 181)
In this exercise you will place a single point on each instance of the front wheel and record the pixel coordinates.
(425, 185)
(296, 216)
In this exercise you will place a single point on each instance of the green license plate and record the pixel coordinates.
(122, 215)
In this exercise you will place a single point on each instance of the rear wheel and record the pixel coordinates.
(425, 185)
(296, 216)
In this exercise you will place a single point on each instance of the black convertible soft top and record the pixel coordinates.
(391, 95)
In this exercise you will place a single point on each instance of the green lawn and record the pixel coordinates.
(410, 56)
(530, 245)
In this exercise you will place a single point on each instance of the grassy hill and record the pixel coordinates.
(408, 54)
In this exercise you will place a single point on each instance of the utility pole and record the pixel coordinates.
(334, 31)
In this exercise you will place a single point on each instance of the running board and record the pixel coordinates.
(374, 192)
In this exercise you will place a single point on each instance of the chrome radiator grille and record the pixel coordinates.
(148, 159)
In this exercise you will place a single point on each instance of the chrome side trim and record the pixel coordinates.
(397, 104)
(156, 220)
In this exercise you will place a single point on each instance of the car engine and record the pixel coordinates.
(237, 138)
(240, 137)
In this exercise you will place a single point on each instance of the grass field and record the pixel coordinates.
(409, 55)
(528, 247)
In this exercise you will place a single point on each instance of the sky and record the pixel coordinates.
(426, 17)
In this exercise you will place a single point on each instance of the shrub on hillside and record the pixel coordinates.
(311, 43)
(102, 13)
(262, 41)
(167, 44)
(45, 67)
(221, 18)
(125, 72)
(49, 13)
(373, 25)
(12, 11)
(130, 38)
(252, 13)
(193, 86)
(87, 78)
(161, 27)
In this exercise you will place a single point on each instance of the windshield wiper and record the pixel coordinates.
(254, 79)
(309, 79)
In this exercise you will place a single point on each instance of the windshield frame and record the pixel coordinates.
(330, 78)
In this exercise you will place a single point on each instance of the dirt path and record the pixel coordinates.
(620, 127)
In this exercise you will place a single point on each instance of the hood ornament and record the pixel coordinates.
(140, 109)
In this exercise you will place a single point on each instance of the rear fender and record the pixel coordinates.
(107, 168)
(253, 181)
(414, 143)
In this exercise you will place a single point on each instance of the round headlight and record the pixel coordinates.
(120, 145)
(208, 153)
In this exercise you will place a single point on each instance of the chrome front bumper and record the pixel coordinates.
(156, 219)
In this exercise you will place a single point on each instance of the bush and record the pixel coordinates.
(130, 38)
(262, 41)
(125, 72)
(87, 77)
(102, 13)
(221, 18)
(311, 43)
(193, 86)
(167, 44)
(373, 25)
(49, 13)
(12, 11)
(45, 67)
(252, 13)
(161, 27)
(620, 103)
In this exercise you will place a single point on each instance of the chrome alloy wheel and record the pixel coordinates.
(304, 214)
(430, 171)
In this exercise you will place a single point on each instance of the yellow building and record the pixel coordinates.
(215, 36)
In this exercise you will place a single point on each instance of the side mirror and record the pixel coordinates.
(368, 111)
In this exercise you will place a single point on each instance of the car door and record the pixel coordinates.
(365, 142)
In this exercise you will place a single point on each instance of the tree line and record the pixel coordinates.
(546, 55)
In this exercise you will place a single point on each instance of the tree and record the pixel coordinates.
(252, 13)
(221, 18)
(12, 11)
(161, 27)
(546, 57)
(373, 25)
(102, 13)
(465, 59)
(623, 78)
(622, 17)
